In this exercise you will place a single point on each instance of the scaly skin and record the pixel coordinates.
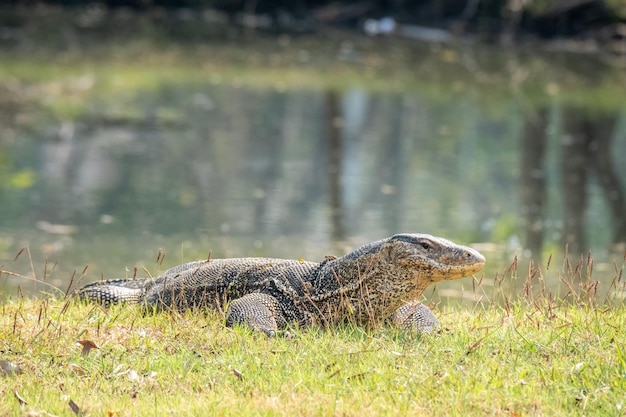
(376, 282)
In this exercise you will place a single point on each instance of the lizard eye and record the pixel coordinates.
(425, 245)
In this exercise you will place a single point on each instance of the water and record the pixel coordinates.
(106, 166)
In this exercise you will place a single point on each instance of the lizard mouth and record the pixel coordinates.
(457, 271)
(459, 263)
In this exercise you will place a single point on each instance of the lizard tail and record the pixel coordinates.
(115, 291)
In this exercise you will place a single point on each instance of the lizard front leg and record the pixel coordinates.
(258, 311)
(414, 316)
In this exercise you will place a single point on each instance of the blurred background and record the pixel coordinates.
(133, 129)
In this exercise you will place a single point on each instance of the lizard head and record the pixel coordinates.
(433, 258)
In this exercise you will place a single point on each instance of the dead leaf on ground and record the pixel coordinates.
(9, 368)
(74, 407)
(87, 346)
(133, 375)
(19, 398)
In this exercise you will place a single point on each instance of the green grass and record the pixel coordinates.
(540, 358)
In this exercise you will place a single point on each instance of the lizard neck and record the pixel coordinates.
(365, 283)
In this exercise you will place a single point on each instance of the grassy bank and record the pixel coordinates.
(536, 358)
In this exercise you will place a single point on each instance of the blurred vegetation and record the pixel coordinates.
(545, 17)
(74, 57)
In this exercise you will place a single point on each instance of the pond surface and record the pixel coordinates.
(300, 148)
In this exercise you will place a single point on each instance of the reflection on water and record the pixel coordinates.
(587, 176)
(241, 171)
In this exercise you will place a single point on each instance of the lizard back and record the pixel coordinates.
(212, 283)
